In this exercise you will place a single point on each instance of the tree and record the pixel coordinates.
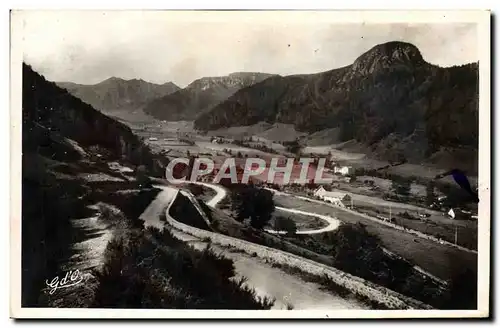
(142, 177)
(293, 147)
(355, 250)
(250, 202)
(430, 193)
(401, 186)
(282, 223)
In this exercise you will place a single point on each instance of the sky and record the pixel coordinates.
(88, 47)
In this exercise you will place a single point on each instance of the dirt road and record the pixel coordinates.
(266, 280)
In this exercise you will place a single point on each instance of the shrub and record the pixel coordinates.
(195, 189)
(150, 268)
(285, 224)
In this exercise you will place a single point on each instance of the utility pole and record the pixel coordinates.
(456, 234)
(390, 213)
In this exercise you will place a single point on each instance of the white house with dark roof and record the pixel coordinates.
(335, 197)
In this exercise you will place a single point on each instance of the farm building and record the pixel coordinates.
(334, 197)
(457, 214)
(344, 170)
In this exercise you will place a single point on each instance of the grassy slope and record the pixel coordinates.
(440, 260)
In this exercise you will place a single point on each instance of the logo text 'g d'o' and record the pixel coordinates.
(72, 278)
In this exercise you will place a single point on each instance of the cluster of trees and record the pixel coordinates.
(250, 202)
(258, 146)
(187, 141)
(401, 186)
(293, 147)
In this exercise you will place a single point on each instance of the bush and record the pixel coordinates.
(285, 224)
(401, 186)
(152, 269)
(195, 189)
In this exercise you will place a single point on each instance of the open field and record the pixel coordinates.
(444, 228)
(440, 260)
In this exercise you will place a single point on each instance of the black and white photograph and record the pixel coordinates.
(265, 164)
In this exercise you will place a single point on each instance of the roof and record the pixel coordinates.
(332, 194)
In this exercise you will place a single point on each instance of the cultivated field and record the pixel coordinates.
(440, 260)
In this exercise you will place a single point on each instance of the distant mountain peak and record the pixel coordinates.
(118, 93)
(113, 79)
(386, 55)
(201, 95)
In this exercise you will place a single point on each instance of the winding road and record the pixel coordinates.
(333, 223)
(221, 193)
(286, 288)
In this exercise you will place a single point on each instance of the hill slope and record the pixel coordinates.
(80, 211)
(66, 148)
(200, 95)
(115, 93)
(389, 99)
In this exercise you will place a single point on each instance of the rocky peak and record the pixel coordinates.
(387, 55)
(239, 79)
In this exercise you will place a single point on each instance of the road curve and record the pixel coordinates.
(287, 289)
(221, 193)
(333, 223)
(358, 285)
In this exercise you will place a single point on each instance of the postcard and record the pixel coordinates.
(250, 164)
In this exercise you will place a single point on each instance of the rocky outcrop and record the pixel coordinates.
(389, 92)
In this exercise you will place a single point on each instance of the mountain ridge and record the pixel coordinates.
(200, 95)
(386, 95)
(116, 93)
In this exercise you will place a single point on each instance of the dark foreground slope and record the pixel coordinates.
(390, 99)
(73, 195)
(65, 142)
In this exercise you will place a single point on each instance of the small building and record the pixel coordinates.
(334, 197)
(457, 214)
(344, 170)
